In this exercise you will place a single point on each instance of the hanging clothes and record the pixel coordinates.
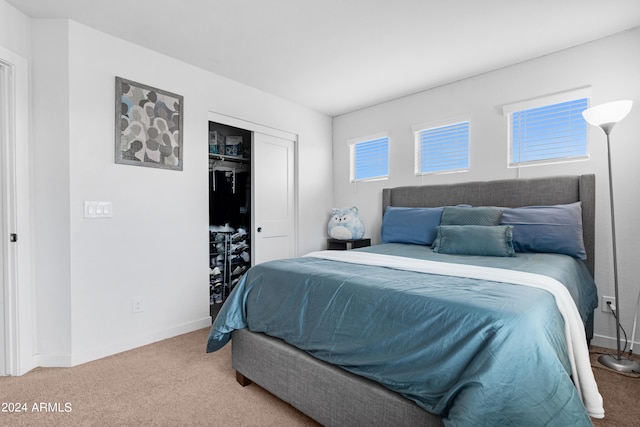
(243, 191)
(223, 206)
(230, 194)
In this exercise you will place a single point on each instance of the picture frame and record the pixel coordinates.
(149, 126)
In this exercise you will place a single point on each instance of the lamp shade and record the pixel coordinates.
(609, 113)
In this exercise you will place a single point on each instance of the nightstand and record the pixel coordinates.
(343, 245)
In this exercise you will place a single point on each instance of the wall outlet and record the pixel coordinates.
(136, 305)
(605, 307)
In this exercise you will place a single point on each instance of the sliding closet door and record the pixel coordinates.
(273, 194)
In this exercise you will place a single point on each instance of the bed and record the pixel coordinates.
(410, 333)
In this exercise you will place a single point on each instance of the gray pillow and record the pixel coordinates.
(455, 215)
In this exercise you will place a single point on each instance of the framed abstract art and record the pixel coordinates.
(148, 126)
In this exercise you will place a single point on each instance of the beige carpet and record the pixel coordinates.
(174, 382)
(169, 383)
(621, 393)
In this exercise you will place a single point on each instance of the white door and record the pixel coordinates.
(4, 123)
(14, 175)
(273, 195)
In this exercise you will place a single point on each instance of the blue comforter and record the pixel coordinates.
(473, 351)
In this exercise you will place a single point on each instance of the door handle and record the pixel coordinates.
(259, 229)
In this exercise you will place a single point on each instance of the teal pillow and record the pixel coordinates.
(475, 240)
(455, 215)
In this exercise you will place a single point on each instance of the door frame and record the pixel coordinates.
(16, 262)
(8, 261)
(256, 127)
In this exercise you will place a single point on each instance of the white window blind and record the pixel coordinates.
(442, 149)
(550, 133)
(370, 159)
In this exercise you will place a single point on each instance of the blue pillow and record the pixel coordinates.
(410, 225)
(552, 229)
(456, 215)
(474, 240)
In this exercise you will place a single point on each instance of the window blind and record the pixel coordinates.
(549, 133)
(370, 159)
(442, 149)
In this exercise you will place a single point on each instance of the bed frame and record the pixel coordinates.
(334, 397)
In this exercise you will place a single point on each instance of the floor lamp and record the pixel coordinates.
(605, 116)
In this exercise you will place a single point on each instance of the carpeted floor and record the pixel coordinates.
(620, 392)
(169, 383)
(174, 382)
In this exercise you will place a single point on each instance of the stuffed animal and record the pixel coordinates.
(345, 224)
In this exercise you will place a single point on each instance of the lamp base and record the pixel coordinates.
(622, 364)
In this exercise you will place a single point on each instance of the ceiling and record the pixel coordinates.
(337, 56)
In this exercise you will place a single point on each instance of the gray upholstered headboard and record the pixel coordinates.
(508, 193)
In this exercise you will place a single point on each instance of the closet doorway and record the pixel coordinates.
(229, 209)
(252, 203)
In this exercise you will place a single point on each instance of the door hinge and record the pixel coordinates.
(13, 237)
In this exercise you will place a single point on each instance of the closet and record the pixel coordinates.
(252, 200)
(229, 209)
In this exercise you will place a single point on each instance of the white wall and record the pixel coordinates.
(50, 130)
(15, 30)
(611, 66)
(156, 244)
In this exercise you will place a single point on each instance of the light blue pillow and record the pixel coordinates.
(551, 229)
(457, 215)
(474, 240)
(410, 225)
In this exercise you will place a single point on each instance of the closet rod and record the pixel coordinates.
(229, 158)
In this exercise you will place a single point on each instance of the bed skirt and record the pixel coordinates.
(328, 394)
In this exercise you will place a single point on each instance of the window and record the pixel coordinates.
(549, 133)
(369, 158)
(442, 148)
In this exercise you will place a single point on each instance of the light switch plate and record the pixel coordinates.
(98, 209)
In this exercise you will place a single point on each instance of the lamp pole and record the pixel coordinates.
(607, 130)
(605, 116)
(617, 363)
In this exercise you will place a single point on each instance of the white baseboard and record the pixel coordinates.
(610, 342)
(136, 342)
(52, 360)
(66, 361)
